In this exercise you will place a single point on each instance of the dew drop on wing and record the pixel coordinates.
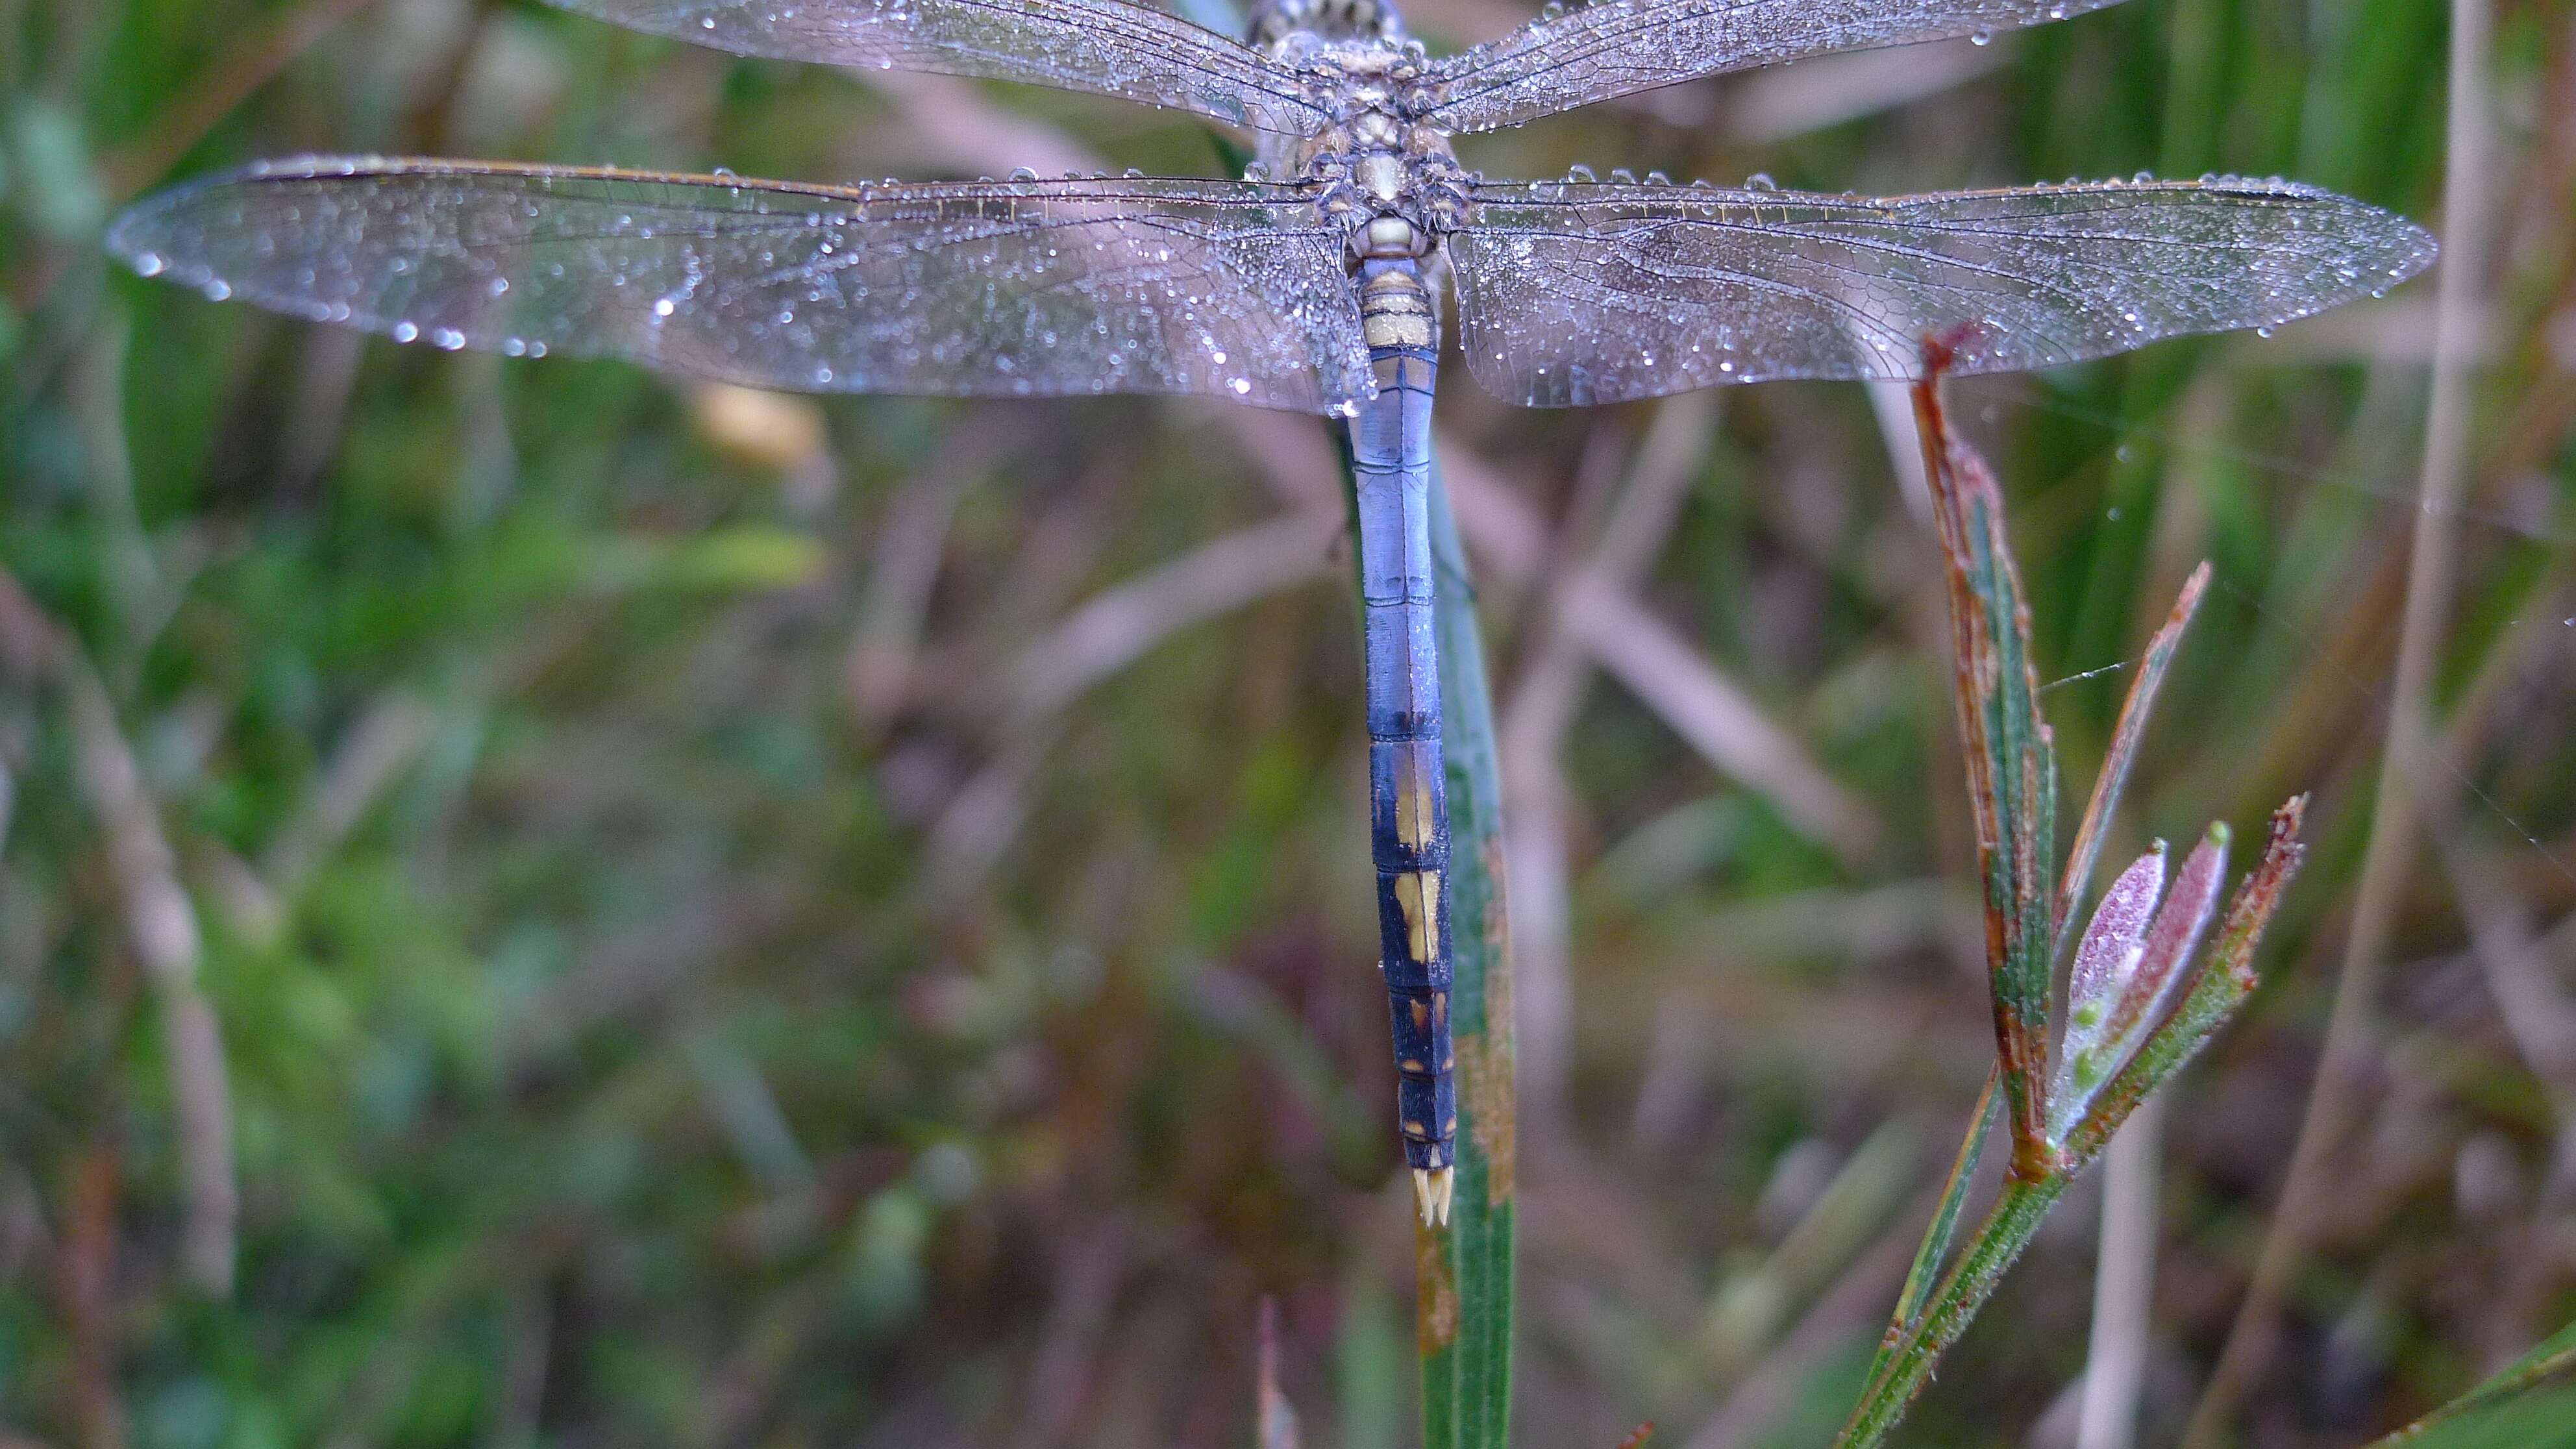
(405, 332)
(1982, 37)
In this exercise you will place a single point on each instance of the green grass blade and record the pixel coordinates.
(2550, 1365)
(1907, 1365)
(1464, 1304)
(2132, 726)
(1926, 1272)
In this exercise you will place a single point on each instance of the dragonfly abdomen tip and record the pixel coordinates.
(1433, 1187)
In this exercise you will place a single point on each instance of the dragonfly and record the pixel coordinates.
(1313, 283)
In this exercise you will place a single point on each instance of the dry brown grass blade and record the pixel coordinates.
(160, 927)
(2400, 800)
(1554, 678)
(1114, 627)
(2011, 777)
(1711, 712)
(251, 62)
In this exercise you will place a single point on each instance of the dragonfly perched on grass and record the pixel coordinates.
(1310, 284)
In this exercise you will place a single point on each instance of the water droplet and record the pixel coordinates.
(405, 332)
(1241, 385)
(1982, 37)
(150, 264)
(1580, 172)
(1024, 173)
(2262, 331)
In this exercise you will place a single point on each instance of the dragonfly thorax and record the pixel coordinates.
(1394, 189)
(1275, 23)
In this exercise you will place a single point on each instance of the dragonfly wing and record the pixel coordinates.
(1037, 288)
(1108, 47)
(1574, 293)
(1616, 47)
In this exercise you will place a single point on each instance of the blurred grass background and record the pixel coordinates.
(726, 920)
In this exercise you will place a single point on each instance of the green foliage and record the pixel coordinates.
(554, 777)
(2526, 1402)
(2011, 772)
(1464, 1288)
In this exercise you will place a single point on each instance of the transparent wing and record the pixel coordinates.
(1108, 47)
(1592, 293)
(1615, 47)
(1037, 288)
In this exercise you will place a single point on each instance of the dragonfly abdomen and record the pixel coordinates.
(1408, 795)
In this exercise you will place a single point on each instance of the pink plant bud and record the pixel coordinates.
(2106, 1028)
(2105, 959)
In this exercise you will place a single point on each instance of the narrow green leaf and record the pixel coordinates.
(2132, 726)
(2550, 1364)
(1907, 1366)
(1926, 1272)
(1464, 1304)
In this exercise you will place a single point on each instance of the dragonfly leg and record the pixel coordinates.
(1408, 789)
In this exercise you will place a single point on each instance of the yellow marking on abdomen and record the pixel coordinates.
(1413, 811)
(1418, 896)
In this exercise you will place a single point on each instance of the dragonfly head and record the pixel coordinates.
(1274, 22)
